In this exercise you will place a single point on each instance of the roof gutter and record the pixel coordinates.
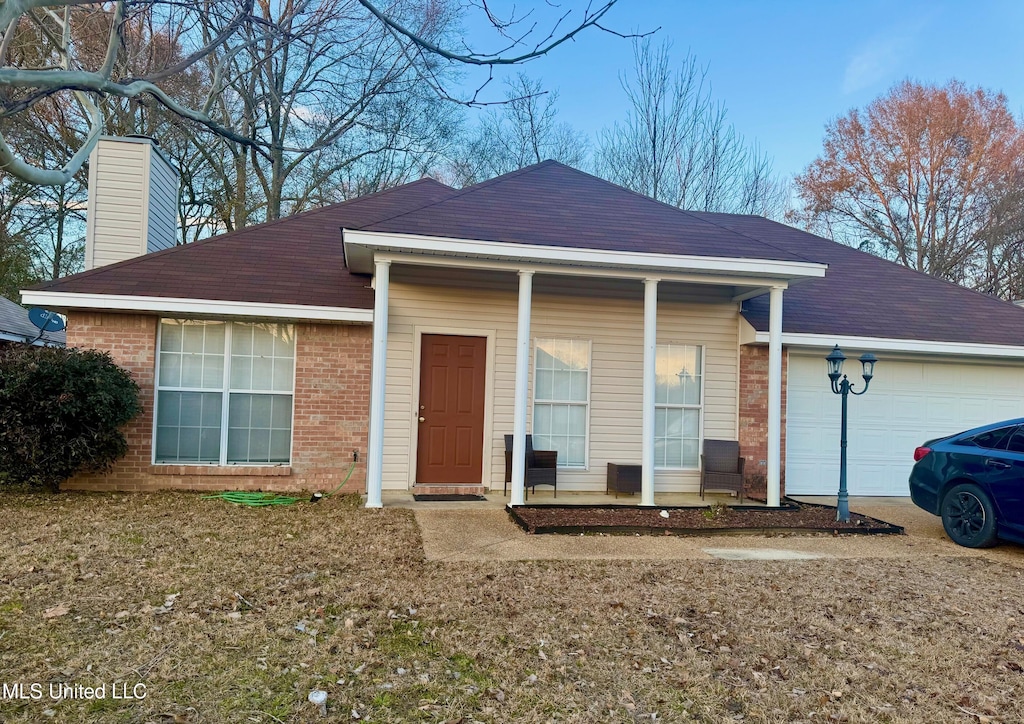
(195, 307)
(885, 344)
(30, 339)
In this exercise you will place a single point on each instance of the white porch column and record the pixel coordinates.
(650, 356)
(522, 389)
(775, 396)
(378, 374)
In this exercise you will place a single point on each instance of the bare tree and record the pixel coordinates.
(229, 36)
(522, 131)
(50, 218)
(63, 68)
(340, 90)
(677, 146)
(52, 127)
(16, 228)
(928, 176)
(998, 268)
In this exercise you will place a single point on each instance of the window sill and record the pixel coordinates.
(252, 471)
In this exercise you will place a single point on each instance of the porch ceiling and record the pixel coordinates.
(551, 283)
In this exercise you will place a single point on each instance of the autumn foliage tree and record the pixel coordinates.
(928, 176)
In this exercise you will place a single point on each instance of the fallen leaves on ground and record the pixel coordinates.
(232, 614)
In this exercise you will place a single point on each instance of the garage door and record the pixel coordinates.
(908, 403)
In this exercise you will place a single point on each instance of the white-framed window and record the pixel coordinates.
(561, 399)
(678, 398)
(224, 393)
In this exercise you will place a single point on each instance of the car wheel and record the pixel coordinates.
(968, 516)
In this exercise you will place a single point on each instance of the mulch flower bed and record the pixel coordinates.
(793, 517)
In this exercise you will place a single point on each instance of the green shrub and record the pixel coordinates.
(60, 414)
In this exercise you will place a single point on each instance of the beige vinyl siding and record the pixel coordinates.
(133, 201)
(117, 212)
(609, 314)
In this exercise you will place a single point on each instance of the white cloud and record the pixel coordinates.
(879, 59)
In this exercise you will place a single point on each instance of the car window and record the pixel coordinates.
(991, 440)
(1016, 441)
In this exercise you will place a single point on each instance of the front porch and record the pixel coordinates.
(639, 355)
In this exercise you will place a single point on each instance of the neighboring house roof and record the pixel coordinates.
(299, 260)
(16, 327)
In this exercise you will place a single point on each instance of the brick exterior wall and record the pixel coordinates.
(331, 398)
(754, 417)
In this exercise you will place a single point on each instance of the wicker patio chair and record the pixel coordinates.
(721, 468)
(541, 466)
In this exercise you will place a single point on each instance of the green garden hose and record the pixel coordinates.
(255, 500)
(261, 500)
(351, 468)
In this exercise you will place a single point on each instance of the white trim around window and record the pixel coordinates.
(234, 370)
(679, 406)
(569, 410)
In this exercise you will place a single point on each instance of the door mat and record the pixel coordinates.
(447, 497)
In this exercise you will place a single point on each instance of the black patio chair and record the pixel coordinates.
(721, 468)
(541, 467)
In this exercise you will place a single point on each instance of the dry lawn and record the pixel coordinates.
(232, 614)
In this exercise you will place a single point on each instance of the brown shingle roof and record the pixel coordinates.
(299, 260)
(554, 205)
(862, 295)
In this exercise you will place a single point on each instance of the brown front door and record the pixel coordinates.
(451, 409)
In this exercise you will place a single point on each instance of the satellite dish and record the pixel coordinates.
(45, 320)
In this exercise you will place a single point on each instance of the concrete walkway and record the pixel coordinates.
(482, 531)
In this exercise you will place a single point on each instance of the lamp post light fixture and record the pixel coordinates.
(842, 386)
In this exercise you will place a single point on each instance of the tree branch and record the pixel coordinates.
(589, 20)
(243, 15)
(42, 177)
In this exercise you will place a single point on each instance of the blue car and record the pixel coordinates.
(974, 480)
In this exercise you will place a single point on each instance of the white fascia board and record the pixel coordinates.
(538, 254)
(203, 307)
(451, 262)
(884, 344)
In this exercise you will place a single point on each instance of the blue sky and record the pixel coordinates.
(785, 68)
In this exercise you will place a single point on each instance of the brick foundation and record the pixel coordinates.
(331, 398)
(754, 417)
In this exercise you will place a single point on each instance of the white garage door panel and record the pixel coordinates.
(906, 408)
(1004, 409)
(875, 480)
(804, 441)
(976, 407)
(908, 403)
(808, 400)
(873, 444)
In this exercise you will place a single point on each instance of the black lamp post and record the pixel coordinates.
(844, 387)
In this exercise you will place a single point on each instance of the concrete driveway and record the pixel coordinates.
(471, 532)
